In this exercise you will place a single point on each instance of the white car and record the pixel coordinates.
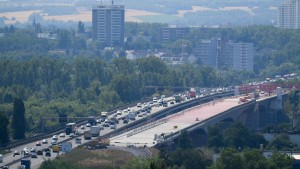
(119, 112)
(62, 135)
(139, 105)
(82, 127)
(54, 142)
(45, 141)
(88, 125)
(54, 137)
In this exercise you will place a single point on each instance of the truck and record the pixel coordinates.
(95, 131)
(104, 115)
(192, 93)
(26, 162)
(87, 135)
(70, 128)
(92, 120)
(132, 115)
(55, 148)
(177, 98)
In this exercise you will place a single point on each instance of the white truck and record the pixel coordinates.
(95, 131)
(132, 115)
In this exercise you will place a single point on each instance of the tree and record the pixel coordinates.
(18, 119)
(237, 136)
(184, 141)
(4, 133)
(229, 159)
(281, 161)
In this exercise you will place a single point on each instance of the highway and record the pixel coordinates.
(35, 162)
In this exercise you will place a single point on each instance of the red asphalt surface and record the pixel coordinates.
(204, 111)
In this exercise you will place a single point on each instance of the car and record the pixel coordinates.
(78, 140)
(26, 153)
(140, 115)
(98, 121)
(106, 125)
(32, 150)
(54, 142)
(125, 121)
(119, 112)
(82, 127)
(5, 167)
(113, 127)
(139, 105)
(54, 137)
(88, 125)
(45, 141)
(101, 128)
(17, 153)
(72, 135)
(33, 155)
(38, 143)
(62, 135)
(154, 99)
(39, 152)
(25, 149)
(48, 153)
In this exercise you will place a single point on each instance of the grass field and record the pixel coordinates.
(95, 159)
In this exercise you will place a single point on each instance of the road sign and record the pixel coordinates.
(66, 147)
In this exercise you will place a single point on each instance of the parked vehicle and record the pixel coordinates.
(1, 158)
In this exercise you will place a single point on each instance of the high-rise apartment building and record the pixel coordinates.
(171, 34)
(207, 52)
(108, 24)
(223, 54)
(289, 15)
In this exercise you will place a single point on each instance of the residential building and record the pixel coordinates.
(108, 24)
(222, 54)
(207, 52)
(289, 15)
(171, 34)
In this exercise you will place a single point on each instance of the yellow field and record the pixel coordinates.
(83, 15)
(203, 8)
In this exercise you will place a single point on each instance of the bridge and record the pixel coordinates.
(255, 114)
